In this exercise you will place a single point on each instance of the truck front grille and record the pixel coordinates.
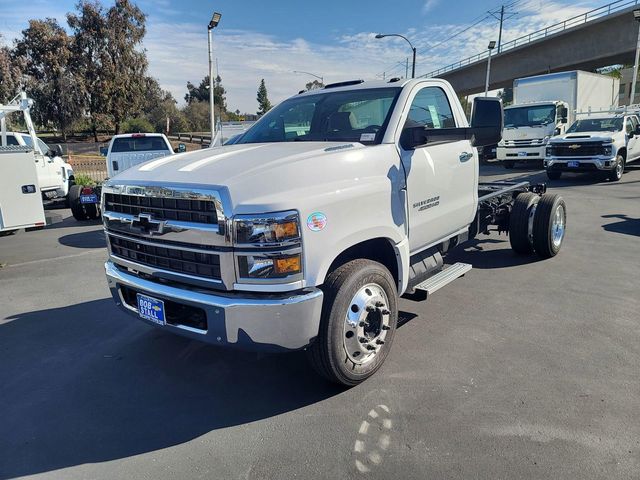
(584, 149)
(163, 208)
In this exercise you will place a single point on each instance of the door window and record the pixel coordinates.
(629, 126)
(430, 108)
(12, 140)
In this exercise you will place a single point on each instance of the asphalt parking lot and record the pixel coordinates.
(521, 369)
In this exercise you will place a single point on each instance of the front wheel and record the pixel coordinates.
(615, 175)
(359, 318)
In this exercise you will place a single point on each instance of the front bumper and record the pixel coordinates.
(520, 153)
(582, 164)
(273, 322)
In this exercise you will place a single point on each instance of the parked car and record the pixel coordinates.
(123, 151)
(55, 176)
(304, 233)
(597, 143)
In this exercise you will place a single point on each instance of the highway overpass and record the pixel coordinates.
(602, 37)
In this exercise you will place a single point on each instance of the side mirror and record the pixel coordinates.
(564, 113)
(103, 151)
(637, 132)
(182, 148)
(57, 150)
(486, 121)
(557, 131)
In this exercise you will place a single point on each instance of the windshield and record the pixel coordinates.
(613, 124)
(530, 116)
(138, 144)
(354, 116)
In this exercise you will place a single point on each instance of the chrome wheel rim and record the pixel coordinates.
(366, 324)
(619, 167)
(557, 226)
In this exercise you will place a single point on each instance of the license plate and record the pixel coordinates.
(573, 164)
(93, 198)
(151, 308)
(522, 154)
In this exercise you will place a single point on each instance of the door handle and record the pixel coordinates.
(464, 156)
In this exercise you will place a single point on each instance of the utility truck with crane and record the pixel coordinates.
(304, 233)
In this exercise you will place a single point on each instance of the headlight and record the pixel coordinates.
(549, 151)
(608, 150)
(267, 230)
(545, 140)
(272, 266)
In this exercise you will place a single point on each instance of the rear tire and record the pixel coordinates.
(358, 323)
(521, 215)
(554, 174)
(549, 225)
(77, 209)
(509, 164)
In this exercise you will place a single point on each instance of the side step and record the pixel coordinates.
(445, 277)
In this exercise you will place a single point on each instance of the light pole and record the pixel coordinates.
(413, 68)
(636, 16)
(215, 19)
(492, 45)
(312, 74)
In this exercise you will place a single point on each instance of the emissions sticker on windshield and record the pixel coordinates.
(316, 221)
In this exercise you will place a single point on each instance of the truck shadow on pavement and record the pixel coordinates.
(85, 383)
(89, 239)
(475, 253)
(626, 225)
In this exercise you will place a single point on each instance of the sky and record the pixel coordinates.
(331, 39)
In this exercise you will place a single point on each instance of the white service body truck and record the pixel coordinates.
(124, 151)
(23, 170)
(601, 143)
(304, 233)
(543, 106)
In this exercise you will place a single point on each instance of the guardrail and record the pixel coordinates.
(542, 33)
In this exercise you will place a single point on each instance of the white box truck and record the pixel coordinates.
(545, 105)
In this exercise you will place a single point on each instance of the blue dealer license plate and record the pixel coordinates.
(151, 308)
(93, 198)
(573, 164)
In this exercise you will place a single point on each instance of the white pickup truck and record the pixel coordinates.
(601, 143)
(304, 233)
(123, 151)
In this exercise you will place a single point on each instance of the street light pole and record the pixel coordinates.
(413, 49)
(636, 16)
(215, 19)
(491, 46)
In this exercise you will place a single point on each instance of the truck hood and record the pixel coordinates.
(586, 137)
(268, 176)
(526, 133)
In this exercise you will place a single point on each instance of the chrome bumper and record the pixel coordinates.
(585, 163)
(254, 322)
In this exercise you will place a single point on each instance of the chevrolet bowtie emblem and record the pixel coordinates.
(146, 224)
(575, 146)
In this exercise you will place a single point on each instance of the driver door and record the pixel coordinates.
(441, 179)
(633, 139)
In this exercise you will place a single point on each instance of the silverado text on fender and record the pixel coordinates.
(303, 234)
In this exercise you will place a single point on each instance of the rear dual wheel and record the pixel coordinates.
(358, 323)
(81, 211)
(537, 223)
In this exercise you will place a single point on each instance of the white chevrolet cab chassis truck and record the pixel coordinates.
(304, 233)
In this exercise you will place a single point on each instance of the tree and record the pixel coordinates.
(89, 49)
(201, 94)
(197, 115)
(264, 105)
(159, 105)
(123, 64)
(44, 49)
(10, 74)
(506, 95)
(314, 85)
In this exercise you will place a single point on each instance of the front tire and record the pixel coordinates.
(359, 318)
(615, 175)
